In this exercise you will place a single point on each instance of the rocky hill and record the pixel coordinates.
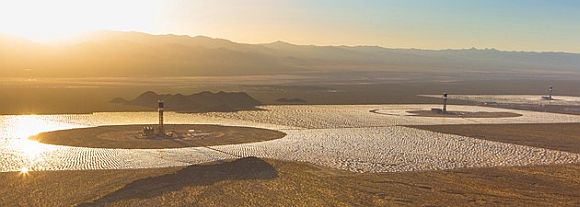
(200, 102)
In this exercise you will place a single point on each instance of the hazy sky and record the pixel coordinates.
(540, 25)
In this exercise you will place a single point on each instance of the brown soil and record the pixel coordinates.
(563, 137)
(256, 182)
(127, 136)
(465, 114)
(88, 95)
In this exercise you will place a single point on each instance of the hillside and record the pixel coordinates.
(107, 54)
(199, 102)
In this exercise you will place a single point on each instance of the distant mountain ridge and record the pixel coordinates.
(141, 54)
(201, 102)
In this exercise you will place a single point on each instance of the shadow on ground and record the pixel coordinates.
(196, 175)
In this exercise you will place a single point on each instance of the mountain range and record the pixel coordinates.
(109, 54)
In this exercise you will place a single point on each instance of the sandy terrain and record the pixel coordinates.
(256, 182)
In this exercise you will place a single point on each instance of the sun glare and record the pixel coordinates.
(24, 126)
(32, 149)
(57, 20)
(24, 170)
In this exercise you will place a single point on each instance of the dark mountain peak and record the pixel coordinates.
(280, 44)
(202, 37)
(119, 101)
(204, 93)
(149, 94)
(201, 102)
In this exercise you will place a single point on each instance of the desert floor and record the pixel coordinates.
(257, 182)
(331, 155)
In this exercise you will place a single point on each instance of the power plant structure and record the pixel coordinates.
(445, 102)
(549, 96)
(149, 131)
(444, 109)
(161, 128)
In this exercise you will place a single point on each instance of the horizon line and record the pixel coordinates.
(84, 34)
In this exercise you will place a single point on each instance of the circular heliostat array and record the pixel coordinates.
(176, 136)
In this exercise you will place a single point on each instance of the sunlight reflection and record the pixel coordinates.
(32, 150)
(28, 125)
(32, 153)
(24, 126)
(19, 128)
(24, 171)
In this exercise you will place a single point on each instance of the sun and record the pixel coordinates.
(45, 36)
(55, 20)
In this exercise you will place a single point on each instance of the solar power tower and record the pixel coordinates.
(549, 96)
(161, 128)
(445, 102)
